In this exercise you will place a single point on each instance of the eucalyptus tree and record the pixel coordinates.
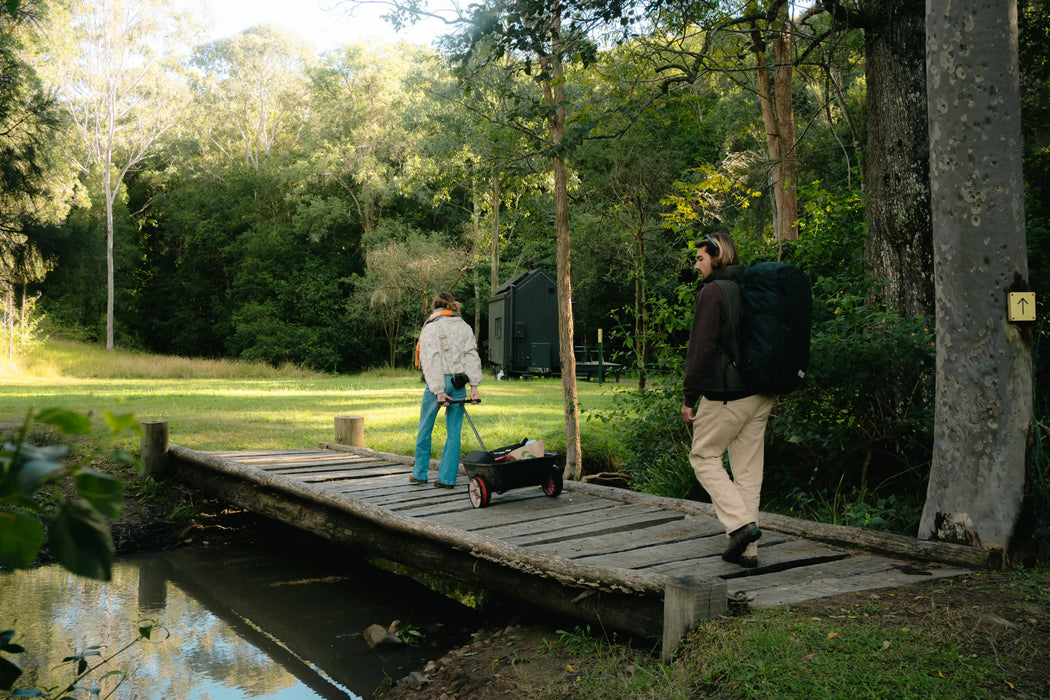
(899, 245)
(752, 45)
(251, 92)
(120, 81)
(363, 104)
(983, 432)
(405, 270)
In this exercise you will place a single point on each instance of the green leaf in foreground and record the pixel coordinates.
(21, 537)
(69, 422)
(104, 492)
(81, 541)
(119, 422)
(9, 673)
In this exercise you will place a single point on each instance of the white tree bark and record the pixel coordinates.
(121, 93)
(984, 368)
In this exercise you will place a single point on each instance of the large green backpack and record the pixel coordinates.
(775, 311)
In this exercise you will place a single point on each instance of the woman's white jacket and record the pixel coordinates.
(447, 346)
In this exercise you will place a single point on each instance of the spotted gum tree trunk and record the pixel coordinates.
(984, 365)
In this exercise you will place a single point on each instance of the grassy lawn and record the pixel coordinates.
(220, 405)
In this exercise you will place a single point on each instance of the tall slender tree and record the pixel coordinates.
(120, 84)
(542, 37)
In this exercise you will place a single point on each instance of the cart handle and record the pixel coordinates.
(466, 415)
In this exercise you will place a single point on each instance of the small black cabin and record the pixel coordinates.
(523, 325)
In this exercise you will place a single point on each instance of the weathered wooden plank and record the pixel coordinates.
(857, 573)
(366, 452)
(355, 488)
(389, 488)
(772, 557)
(537, 507)
(655, 555)
(615, 518)
(318, 458)
(894, 545)
(688, 527)
(610, 530)
(306, 467)
(394, 495)
(306, 470)
(275, 456)
(362, 476)
(235, 455)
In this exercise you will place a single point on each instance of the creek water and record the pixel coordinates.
(280, 618)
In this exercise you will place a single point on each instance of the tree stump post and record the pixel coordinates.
(688, 599)
(154, 448)
(350, 430)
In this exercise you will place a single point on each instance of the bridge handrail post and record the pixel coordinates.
(153, 448)
(350, 430)
(688, 599)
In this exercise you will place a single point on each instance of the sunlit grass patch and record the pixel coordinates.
(223, 405)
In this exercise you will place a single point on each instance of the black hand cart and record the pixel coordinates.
(491, 471)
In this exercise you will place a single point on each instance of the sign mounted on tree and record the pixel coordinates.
(1021, 306)
(776, 312)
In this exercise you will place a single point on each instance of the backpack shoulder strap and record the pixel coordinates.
(731, 304)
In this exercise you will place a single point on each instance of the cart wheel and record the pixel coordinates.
(552, 485)
(479, 492)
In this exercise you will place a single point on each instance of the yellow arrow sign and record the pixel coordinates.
(1021, 306)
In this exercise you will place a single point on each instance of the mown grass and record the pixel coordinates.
(224, 405)
(980, 636)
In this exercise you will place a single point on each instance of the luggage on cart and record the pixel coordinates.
(509, 467)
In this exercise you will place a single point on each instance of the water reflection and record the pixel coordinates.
(243, 623)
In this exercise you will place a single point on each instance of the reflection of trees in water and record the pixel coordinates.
(54, 612)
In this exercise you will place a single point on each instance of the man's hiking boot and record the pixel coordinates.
(739, 539)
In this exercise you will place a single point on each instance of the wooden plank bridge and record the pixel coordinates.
(602, 555)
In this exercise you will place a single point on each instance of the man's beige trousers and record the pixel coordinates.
(740, 427)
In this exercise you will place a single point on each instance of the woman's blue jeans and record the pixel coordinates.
(428, 410)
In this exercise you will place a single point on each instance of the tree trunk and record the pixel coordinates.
(774, 92)
(109, 196)
(641, 295)
(983, 418)
(787, 206)
(899, 246)
(554, 95)
(497, 196)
